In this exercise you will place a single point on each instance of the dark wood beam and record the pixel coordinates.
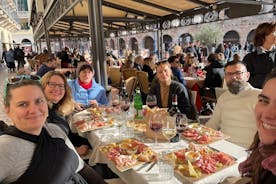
(109, 20)
(116, 19)
(140, 13)
(157, 6)
(250, 2)
(202, 3)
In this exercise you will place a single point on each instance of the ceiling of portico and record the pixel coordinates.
(130, 15)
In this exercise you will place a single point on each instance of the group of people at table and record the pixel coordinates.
(36, 148)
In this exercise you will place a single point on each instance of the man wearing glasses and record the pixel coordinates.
(234, 111)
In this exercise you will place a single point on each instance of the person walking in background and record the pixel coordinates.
(19, 55)
(260, 62)
(9, 58)
(233, 113)
(260, 166)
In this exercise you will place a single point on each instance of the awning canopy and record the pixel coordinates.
(120, 16)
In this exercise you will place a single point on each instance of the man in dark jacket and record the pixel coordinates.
(49, 65)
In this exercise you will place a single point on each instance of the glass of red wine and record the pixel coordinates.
(155, 125)
(182, 123)
(151, 101)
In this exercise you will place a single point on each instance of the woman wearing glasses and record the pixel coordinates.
(61, 105)
(32, 151)
(85, 90)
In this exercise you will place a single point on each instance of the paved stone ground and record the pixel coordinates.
(3, 76)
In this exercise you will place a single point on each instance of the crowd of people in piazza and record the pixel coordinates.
(245, 112)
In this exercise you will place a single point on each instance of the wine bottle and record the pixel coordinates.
(123, 92)
(175, 112)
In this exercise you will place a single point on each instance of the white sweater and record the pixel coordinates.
(234, 116)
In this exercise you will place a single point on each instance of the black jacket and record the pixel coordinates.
(215, 75)
(184, 103)
(259, 65)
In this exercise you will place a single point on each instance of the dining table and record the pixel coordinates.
(138, 175)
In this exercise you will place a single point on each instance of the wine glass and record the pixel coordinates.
(118, 119)
(181, 123)
(115, 100)
(124, 105)
(155, 125)
(169, 128)
(151, 101)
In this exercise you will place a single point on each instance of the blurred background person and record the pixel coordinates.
(47, 66)
(149, 67)
(260, 62)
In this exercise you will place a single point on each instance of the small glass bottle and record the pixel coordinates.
(138, 104)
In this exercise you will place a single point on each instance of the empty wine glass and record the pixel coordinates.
(155, 125)
(151, 101)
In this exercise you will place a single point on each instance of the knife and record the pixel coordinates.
(151, 165)
(143, 166)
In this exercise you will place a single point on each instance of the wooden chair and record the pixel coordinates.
(143, 81)
(114, 75)
(127, 73)
(130, 86)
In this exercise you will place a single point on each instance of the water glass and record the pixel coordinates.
(166, 166)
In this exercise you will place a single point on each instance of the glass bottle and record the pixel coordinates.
(138, 104)
(175, 112)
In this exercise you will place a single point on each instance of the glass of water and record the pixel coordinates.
(166, 166)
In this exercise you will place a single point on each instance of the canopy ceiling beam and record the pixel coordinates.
(116, 19)
(249, 2)
(202, 3)
(157, 6)
(140, 13)
(108, 20)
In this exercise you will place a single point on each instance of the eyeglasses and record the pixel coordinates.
(53, 85)
(231, 74)
(19, 78)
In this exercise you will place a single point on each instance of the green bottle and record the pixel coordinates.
(138, 104)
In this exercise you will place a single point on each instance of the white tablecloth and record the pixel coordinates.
(110, 134)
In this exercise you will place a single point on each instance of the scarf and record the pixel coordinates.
(85, 86)
(52, 162)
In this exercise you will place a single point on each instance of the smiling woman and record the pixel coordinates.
(31, 150)
(261, 164)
